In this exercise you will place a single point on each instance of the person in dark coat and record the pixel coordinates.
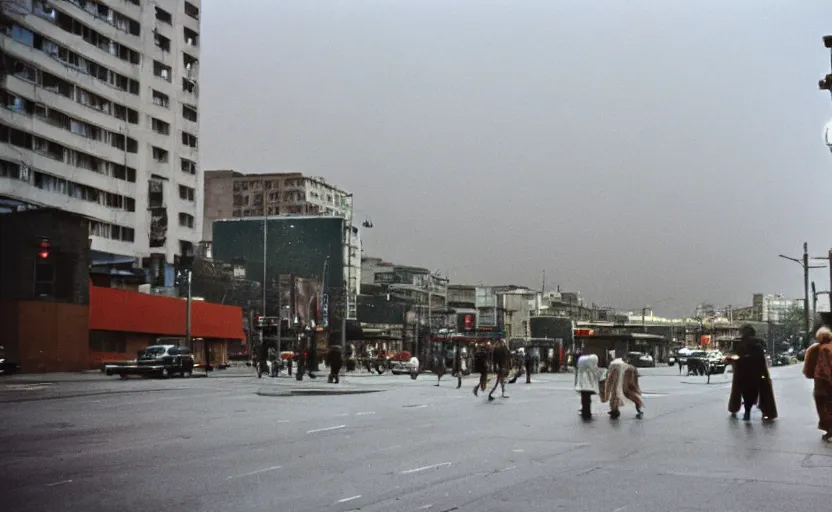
(502, 363)
(312, 359)
(439, 366)
(457, 369)
(481, 367)
(334, 360)
(751, 384)
(530, 362)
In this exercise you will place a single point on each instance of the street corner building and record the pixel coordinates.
(122, 323)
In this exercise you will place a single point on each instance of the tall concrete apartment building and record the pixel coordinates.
(230, 194)
(101, 118)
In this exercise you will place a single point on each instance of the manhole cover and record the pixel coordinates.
(416, 406)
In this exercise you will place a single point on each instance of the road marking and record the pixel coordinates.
(416, 406)
(364, 413)
(425, 468)
(342, 415)
(325, 429)
(518, 450)
(349, 499)
(508, 468)
(254, 472)
(282, 421)
(425, 507)
(621, 509)
(390, 447)
(59, 483)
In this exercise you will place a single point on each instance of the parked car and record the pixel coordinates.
(158, 361)
(8, 367)
(640, 360)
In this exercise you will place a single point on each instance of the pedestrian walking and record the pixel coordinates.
(439, 366)
(334, 360)
(621, 388)
(530, 362)
(587, 381)
(679, 361)
(517, 358)
(481, 367)
(312, 360)
(502, 361)
(414, 367)
(457, 369)
(751, 383)
(817, 365)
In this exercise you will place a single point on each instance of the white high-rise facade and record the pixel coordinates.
(101, 118)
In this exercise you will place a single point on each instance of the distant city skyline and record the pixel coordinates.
(633, 152)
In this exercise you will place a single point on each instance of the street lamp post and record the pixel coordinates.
(804, 262)
(348, 277)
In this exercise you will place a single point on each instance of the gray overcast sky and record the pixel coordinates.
(636, 151)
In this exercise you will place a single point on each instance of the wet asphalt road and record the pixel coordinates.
(215, 445)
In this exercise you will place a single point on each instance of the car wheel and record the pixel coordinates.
(165, 373)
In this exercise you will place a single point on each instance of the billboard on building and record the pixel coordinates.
(307, 301)
(304, 247)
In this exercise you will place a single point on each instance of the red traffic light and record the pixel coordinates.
(43, 249)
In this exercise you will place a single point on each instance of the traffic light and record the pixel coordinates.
(44, 249)
(827, 41)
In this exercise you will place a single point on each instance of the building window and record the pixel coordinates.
(164, 16)
(162, 71)
(186, 193)
(191, 37)
(160, 155)
(188, 85)
(160, 126)
(186, 220)
(188, 166)
(192, 10)
(161, 42)
(160, 99)
(189, 113)
(189, 139)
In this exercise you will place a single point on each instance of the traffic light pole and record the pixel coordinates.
(804, 262)
(188, 313)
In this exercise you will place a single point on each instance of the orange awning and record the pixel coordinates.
(125, 311)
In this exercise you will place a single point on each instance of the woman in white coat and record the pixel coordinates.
(587, 382)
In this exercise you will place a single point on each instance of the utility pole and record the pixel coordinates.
(828, 258)
(265, 262)
(188, 338)
(348, 277)
(814, 300)
(804, 262)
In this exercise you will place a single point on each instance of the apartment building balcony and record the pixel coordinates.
(49, 129)
(103, 26)
(70, 107)
(30, 193)
(69, 72)
(77, 44)
(79, 175)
